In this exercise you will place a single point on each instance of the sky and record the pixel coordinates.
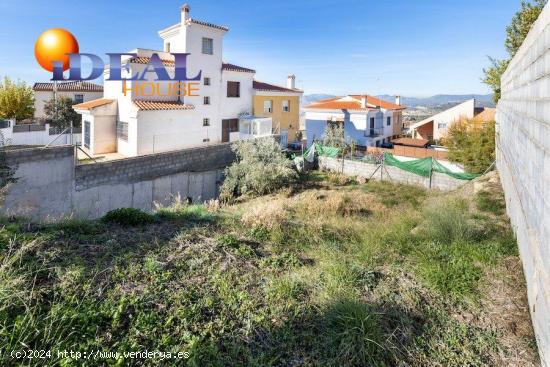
(414, 48)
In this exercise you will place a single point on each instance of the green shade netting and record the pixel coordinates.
(323, 151)
(424, 166)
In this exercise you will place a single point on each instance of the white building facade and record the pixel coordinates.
(367, 121)
(130, 120)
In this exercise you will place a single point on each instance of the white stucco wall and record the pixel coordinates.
(355, 125)
(448, 117)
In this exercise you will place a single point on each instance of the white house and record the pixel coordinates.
(79, 92)
(367, 120)
(130, 120)
(435, 127)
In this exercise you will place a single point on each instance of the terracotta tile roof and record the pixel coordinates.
(272, 88)
(232, 67)
(380, 102)
(162, 105)
(421, 143)
(145, 60)
(76, 86)
(211, 25)
(353, 102)
(92, 104)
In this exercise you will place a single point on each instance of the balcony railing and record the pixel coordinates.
(374, 131)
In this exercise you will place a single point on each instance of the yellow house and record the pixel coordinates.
(281, 104)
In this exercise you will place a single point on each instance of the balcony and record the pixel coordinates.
(374, 132)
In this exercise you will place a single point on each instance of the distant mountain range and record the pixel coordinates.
(483, 100)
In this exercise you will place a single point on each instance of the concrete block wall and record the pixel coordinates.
(148, 167)
(49, 186)
(362, 169)
(523, 162)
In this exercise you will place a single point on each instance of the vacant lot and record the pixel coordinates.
(328, 273)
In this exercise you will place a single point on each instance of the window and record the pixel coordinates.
(206, 100)
(388, 121)
(78, 98)
(206, 81)
(268, 106)
(286, 105)
(122, 130)
(207, 46)
(167, 47)
(233, 89)
(87, 134)
(205, 122)
(441, 126)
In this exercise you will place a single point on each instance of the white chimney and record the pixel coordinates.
(184, 13)
(291, 81)
(364, 101)
(398, 100)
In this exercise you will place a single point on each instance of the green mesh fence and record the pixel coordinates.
(323, 151)
(424, 167)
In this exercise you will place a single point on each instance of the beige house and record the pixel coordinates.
(282, 104)
(79, 92)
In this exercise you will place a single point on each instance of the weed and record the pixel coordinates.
(128, 217)
(487, 202)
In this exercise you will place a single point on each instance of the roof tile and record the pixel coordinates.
(272, 88)
(162, 105)
(74, 86)
(92, 104)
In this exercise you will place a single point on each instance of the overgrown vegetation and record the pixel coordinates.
(260, 168)
(372, 274)
(515, 35)
(473, 148)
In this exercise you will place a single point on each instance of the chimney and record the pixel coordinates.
(291, 81)
(184, 13)
(364, 101)
(398, 100)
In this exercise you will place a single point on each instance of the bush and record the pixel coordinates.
(128, 216)
(471, 147)
(261, 168)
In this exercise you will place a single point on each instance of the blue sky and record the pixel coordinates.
(412, 48)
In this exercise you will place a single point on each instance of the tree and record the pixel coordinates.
(334, 136)
(521, 25)
(60, 112)
(493, 75)
(16, 100)
(515, 35)
(473, 148)
(260, 168)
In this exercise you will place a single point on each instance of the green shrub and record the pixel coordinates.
(261, 168)
(128, 217)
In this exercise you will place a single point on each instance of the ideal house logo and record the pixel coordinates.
(57, 51)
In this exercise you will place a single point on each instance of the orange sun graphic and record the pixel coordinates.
(52, 45)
